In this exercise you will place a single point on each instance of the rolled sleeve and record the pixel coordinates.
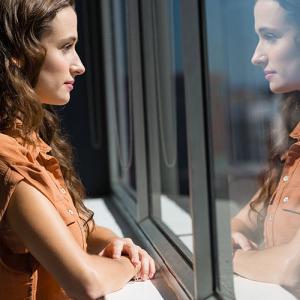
(8, 182)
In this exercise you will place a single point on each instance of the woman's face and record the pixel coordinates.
(277, 51)
(62, 63)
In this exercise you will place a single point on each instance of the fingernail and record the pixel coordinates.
(151, 275)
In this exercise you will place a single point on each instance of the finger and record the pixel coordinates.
(254, 245)
(133, 251)
(135, 258)
(245, 244)
(235, 245)
(240, 241)
(236, 237)
(117, 249)
(106, 252)
(144, 258)
(152, 268)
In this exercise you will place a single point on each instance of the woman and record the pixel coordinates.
(273, 215)
(49, 245)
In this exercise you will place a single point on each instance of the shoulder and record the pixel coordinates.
(11, 150)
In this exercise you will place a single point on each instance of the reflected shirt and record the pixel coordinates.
(283, 214)
(21, 276)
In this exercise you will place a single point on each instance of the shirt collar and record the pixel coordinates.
(35, 146)
(42, 145)
(294, 151)
(38, 145)
(295, 134)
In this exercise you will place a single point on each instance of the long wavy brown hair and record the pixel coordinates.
(280, 141)
(22, 24)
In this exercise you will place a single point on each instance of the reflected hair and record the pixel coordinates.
(292, 8)
(280, 141)
(22, 25)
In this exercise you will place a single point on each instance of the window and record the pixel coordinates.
(241, 109)
(123, 104)
(187, 117)
(148, 47)
(168, 164)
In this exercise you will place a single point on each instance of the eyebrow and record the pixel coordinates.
(266, 29)
(69, 39)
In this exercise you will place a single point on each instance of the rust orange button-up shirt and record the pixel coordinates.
(283, 214)
(21, 276)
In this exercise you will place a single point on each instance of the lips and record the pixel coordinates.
(70, 84)
(269, 74)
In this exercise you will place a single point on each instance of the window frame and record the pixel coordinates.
(208, 267)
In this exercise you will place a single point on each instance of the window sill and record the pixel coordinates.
(133, 290)
(248, 290)
(244, 289)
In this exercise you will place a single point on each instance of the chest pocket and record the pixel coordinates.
(290, 202)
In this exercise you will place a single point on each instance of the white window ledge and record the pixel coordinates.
(134, 290)
(248, 290)
(244, 289)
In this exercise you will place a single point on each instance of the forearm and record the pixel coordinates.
(108, 275)
(98, 239)
(266, 265)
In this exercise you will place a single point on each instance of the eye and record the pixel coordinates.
(268, 36)
(67, 47)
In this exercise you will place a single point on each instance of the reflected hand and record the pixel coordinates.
(240, 241)
(138, 256)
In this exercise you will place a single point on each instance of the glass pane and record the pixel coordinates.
(250, 121)
(123, 106)
(171, 201)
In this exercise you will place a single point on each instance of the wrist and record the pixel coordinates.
(125, 261)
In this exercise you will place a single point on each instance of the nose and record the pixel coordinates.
(77, 67)
(259, 58)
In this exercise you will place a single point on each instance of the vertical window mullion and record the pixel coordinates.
(123, 128)
(112, 93)
(203, 268)
(149, 45)
(138, 109)
(219, 181)
(166, 94)
(106, 16)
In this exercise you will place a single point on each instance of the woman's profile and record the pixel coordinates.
(272, 218)
(50, 247)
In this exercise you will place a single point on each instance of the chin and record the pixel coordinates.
(284, 89)
(280, 89)
(56, 101)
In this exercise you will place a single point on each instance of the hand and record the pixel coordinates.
(138, 256)
(240, 241)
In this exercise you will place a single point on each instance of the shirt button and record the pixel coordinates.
(270, 218)
(70, 211)
(63, 190)
(285, 178)
(285, 199)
